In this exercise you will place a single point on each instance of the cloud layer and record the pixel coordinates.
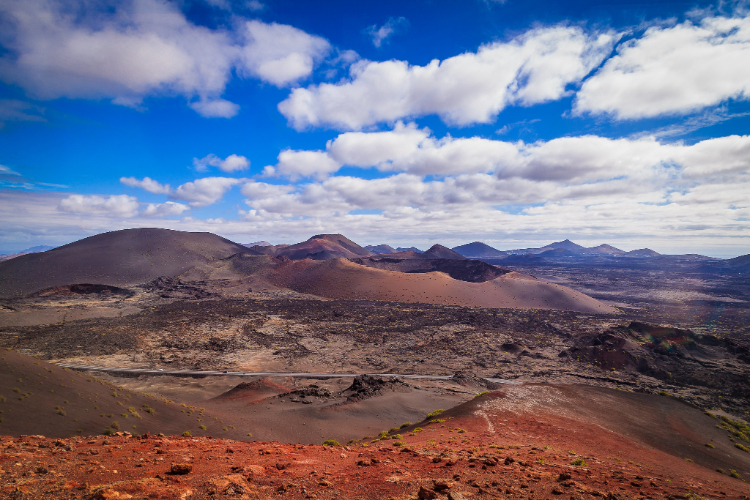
(469, 88)
(673, 70)
(125, 51)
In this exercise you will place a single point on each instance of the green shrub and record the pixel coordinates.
(664, 393)
(187, 434)
(482, 394)
(733, 473)
(405, 424)
(709, 445)
(396, 436)
(331, 442)
(202, 427)
(399, 444)
(578, 461)
(434, 413)
(741, 447)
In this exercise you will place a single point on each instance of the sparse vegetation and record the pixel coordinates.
(579, 462)
(331, 442)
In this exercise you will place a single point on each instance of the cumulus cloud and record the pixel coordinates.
(148, 184)
(469, 88)
(114, 205)
(381, 34)
(166, 209)
(673, 70)
(569, 179)
(214, 107)
(125, 51)
(278, 53)
(231, 163)
(296, 164)
(205, 191)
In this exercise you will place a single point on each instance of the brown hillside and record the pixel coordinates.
(322, 247)
(116, 258)
(37, 397)
(340, 279)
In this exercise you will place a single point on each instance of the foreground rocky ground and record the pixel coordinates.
(492, 447)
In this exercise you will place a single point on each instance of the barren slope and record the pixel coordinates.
(339, 279)
(116, 258)
(37, 397)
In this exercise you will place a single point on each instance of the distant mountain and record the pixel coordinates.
(380, 249)
(643, 252)
(565, 245)
(323, 247)
(741, 263)
(36, 249)
(605, 250)
(118, 258)
(409, 249)
(478, 249)
(257, 244)
(441, 252)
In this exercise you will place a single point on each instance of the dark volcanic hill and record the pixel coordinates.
(478, 249)
(441, 252)
(323, 247)
(565, 245)
(642, 252)
(379, 249)
(473, 271)
(605, 249)
(118, 258)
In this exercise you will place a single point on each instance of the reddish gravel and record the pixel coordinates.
(471, 451)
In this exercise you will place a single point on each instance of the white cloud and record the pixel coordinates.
(205, 191)
(379, 35)
(166, 209)
(673, 70)
(114, 205)
(129, 50)
(296, 164)
(469, 88)
(215, 108)
(260, 190)
(147, 183)
(278, 53)
(566, 160)
(231, 163)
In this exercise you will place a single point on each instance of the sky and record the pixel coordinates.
(516, 123)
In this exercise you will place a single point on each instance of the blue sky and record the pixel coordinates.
(408, 123)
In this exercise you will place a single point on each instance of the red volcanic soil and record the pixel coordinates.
(514, 443)
(342, 279)
(116, 258)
